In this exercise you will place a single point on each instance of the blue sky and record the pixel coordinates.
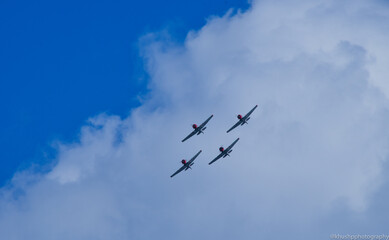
(65, 61)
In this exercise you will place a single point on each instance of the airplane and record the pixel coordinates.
(198, 129)
(242, 120)
(224, 152)
(186, 164)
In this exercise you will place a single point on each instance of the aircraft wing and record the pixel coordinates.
(217, 158)
(178, 171)
(232, 144)
(205, 122)
(194, 157)
(236, 124)
(190, 135)
(251, 111)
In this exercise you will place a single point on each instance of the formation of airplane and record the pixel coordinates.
(242, 120)
(223, 152)
(198, 129)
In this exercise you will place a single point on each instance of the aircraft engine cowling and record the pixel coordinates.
(239, 116)
(221, 149)
(194, 126)
(183, 161)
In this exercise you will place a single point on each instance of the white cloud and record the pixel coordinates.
(317, 141)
